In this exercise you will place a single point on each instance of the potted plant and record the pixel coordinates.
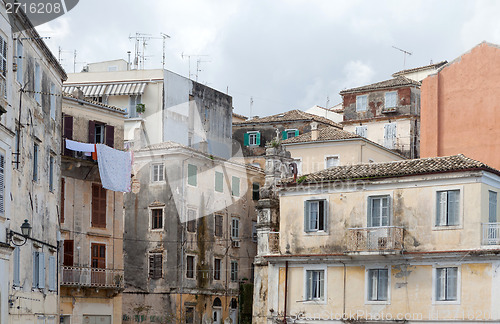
(140, 108)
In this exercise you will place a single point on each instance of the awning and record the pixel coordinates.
(114, 89)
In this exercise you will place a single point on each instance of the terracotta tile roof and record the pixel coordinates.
(421, 68)
(396, 169)
(239, 116)
(396, 82)
(292, 115)
(67, 95)
(324, 134)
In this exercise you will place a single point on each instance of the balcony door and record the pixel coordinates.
(98, 264)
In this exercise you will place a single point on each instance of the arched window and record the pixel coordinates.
(233, 304)
(217, 302)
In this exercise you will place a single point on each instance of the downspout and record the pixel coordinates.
(18, 139)
(343, 294)
(286, 290)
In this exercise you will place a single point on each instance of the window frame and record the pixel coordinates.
(336, 156)
(217, 271)
(190, 178)
(220, 226)
(161, 175)
(193, 270)
(363, 105)
(435, 268)
(233, 271)
(363, 133)
(390, 93)
(151, 221)
(492, 210)
(152, 271)
(191, 310)
(368, 282)
(235, 229)
(97, 224)
(294, 131)
(102, 133)
(307, 213)
(369, 217)
(306, 298)
(459, 225)
(253, 138)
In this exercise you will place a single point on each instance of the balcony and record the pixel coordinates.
(491, 234)
(92, 277)
(389, 110)
(274, 242)
(375, 239)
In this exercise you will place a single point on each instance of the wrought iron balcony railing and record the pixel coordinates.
(91, 277)
(491, 234)
(375, 239)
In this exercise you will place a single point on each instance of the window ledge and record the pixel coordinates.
(447, 228)
(318, 233)
(314, 301)
(446, 302)
(377, 302)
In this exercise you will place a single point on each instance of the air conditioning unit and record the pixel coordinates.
(236, 244)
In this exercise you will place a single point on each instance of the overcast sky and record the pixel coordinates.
(286, 54)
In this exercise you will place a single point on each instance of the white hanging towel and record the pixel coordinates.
(79, 146)
(115, 168)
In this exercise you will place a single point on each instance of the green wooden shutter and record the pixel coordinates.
(219, 182)
(192, 172)
(258, 138)
(296, 132)
(283, 135)
(245, 139)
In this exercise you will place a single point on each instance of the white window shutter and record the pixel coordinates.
(442, 202)
(2, 184)
(34, 281)
(41, 270)
(52, 273)
(451, 284)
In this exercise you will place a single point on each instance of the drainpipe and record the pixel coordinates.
(286, 289)
(343, 296)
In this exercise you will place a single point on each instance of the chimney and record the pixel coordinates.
(314, 131)
(78, 93)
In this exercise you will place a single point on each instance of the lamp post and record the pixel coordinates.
(25, 233)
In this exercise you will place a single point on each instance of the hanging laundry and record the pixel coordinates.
(79, 146)
(115, 168)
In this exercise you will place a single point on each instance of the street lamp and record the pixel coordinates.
(25, 233)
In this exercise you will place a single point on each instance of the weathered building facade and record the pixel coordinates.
(251, 136)
(91, 219)
(329, 146)
(34, 116)
(413, 241)
(460, 107)
(189, 239)
(387, 113)
(161, 105)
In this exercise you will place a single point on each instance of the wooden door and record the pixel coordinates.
(98, 262)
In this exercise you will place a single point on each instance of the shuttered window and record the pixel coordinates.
(38, 83)
(68, 257)
(51, 173)
(446, 284)
(38, 280)
(361, 130)
(219, 181)
(2, 183)
(19, 61)
(110, 135)
(35, 162)
(190, 266)
(235, 228)
(391, 99)
(67, 132)
(217, 266)
(251, 139)
(315, 215)
(390, 134)
(157, 218)
(235, 188)
(218, 225)
(234, 270)
(63, 187)
(52, 99)
(52, 273)
(361, 103)
(155, 265)
(447, 207)
(98, 206)
(157, 173)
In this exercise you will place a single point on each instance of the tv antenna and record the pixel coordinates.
(404, 55)
(189, 62)
(198, 62)
(141, 42)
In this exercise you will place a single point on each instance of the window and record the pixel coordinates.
(19, 61)
(99, 133)
(35, 162)
(361, 102)
(315, 284)
(315, 215)
(492, 202)
(38, 270)
(361, 130)
(252, 139)
(2, 183)
(447, 207)
(390, 135)
(68, 257)
(255, 191)
(68, 132)
(3, 57)
(132, 106)
(51, 173)
(446, 284)
(98, 255)
(235, 228)
(378, 211)
(192, 175)
(98, 206)
(157, 173)
(331, 161)
(254, 231)
(191, 226)
(235, 188)
(157, 218)
(219, 181)
(217, 266)
(391, 99)
(289, 133)
(38, 83)
(189, 314)
(190, 266)
(52, 100)
(17, 266)
(155, 265)
(234, 270)
(378, 284)
(218, 225)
